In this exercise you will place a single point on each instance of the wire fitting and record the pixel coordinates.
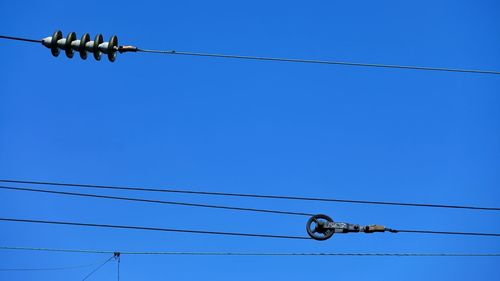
(126, 49)
(322, 227)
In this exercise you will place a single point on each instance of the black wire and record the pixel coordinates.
(47, 268)
(96, 269)
(265, 254)
(255, 195)
(156, 201)
(154, 228)
(448, 232)
(20, 39)
(270, 254)
(172, 52)
(229, 233)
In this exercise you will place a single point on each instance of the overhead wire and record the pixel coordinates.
(344, 63)
(230, 233)
(20, 39)
(48, 268)
(155, 201)
(261, 254)
(154, 228)
(291, 60)
(97, 268)
(262, 196)
(215, 206)
(447, 232)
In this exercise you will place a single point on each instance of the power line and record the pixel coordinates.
(263, 254)
(48, 268)
(344, 63)
(154, 228)
(449, 232)
(281, 197)
(58, 250)
(97, 268)
(231, 233)
(53, 44)
(20, 39)
(155, 201)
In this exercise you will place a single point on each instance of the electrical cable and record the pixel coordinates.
(448, 232)
(97, 268)
(233, 233)
(259, 58)
(48, 268)
(173, 52)
(154, 228)
(20, 39)
(270, 254)
(281, 197)
(155, 201)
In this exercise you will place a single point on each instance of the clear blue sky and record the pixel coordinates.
(255, 127)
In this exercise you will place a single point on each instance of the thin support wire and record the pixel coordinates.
(173, 52)
(97, 268)
(262, 254)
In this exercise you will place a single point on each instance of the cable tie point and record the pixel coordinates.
(125, 49)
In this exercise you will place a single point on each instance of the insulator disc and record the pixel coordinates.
(53, 44)
(67, 46)
(83, 52)
(112, 47)
(98, 40)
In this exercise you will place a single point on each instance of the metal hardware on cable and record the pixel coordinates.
(321, 227)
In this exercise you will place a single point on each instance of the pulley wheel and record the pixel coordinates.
(316, 227)
(98, 40)
(53, 43)
(81, 48)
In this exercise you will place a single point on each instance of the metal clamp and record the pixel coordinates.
(321, 227)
